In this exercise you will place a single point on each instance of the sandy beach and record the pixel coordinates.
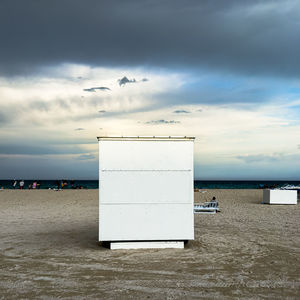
(49, 249)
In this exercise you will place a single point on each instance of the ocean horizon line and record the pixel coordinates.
(197, 184)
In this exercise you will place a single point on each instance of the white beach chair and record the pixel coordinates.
(206, 208)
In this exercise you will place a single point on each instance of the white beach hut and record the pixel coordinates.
(279, 197)
(146, 193)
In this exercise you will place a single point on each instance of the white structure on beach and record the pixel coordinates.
(146, 194)
(279, 197)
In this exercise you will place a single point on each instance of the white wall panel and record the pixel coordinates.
(146, 187)
(145, 155)
(146, 222)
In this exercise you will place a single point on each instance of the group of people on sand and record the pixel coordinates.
(34, 185)
(63, 184)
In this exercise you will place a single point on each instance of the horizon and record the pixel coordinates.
(70, 179)
(226, 72)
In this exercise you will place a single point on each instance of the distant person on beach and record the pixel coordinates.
(15, 184)
(34, 185)
(213, 199)
(38, 185)
(22, 184)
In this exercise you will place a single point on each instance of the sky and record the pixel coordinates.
(226, 72)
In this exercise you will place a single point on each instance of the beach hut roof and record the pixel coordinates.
(145, 137)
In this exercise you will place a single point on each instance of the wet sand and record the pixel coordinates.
(49, 249)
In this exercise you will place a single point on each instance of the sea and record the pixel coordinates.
(198, 184)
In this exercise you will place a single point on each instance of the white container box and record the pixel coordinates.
(279, 197)
(146, 188)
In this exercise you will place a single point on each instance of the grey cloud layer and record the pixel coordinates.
(3, 118)
(252, 37)
(35, 149)
(86, 157)
(263, 158)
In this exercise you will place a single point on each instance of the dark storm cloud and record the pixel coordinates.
(250, 37)
(157, 122)
(94, 89)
